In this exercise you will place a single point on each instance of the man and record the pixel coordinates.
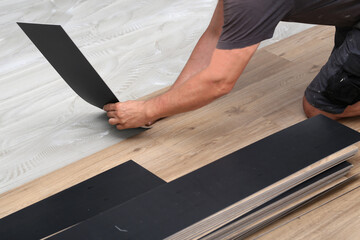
(232, 37)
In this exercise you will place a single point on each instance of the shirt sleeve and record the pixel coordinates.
(247, 22)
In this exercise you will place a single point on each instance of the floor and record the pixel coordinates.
(266, 99)
(137, 48)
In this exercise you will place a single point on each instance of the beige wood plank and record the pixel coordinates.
(313, 45)
(333, 219)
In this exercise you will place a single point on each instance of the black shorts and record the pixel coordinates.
(337, 85)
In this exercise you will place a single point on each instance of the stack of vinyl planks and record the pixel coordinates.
(229, 198)
(238, 193)
(283, 204)
(269, 193)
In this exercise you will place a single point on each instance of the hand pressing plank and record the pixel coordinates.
(129, 114)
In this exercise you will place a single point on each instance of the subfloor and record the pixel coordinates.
(266, 99)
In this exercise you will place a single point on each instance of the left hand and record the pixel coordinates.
(130, 114)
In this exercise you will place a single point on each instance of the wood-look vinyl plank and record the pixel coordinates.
(287, 115)
(313, 45)
(270, 65)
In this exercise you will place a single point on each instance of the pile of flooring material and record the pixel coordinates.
(236, 194)
(283, 204)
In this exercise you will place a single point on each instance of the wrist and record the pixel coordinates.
(150, 111)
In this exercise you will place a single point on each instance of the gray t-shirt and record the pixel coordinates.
(247, 22)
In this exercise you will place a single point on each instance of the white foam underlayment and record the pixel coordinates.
(136, 46)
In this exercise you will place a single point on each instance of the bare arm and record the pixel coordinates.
(209, 84)
(201, 55)
(213, 82)
(209, 74)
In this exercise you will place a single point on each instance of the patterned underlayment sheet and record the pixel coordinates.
(136, 46)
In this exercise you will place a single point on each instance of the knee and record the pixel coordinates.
(309, 110)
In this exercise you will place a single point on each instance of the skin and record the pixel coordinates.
(208, 74)
(350, 111)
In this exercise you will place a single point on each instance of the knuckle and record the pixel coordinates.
(118, 105)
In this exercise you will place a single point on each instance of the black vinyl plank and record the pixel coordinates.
(78, 203)
(199, 194)
(69, 62)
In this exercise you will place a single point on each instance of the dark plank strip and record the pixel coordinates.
(197, 195)
(79, 202)
(289, 192)
(69, 62)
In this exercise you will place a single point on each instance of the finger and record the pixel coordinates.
(113, 121)
(111, 114)
(149, 123)
(110, 107)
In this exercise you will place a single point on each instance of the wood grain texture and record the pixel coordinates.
(323, 222)
(266, 99)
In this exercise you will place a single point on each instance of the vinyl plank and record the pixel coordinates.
(80, 202)
(313, 45)
(69, 62)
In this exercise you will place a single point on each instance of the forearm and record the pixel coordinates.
(196, 92)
